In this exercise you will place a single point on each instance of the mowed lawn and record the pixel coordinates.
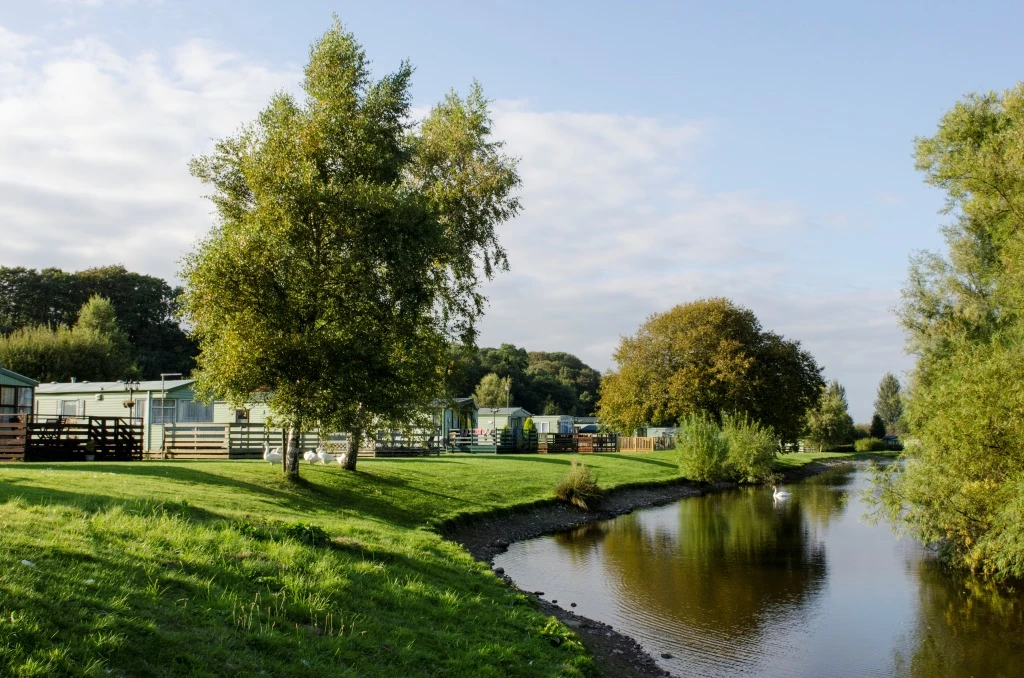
(214, 568)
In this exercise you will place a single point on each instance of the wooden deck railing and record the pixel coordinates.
(648, 444)
(12, 441)
(37, 438)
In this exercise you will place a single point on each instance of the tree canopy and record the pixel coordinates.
(95, 349)
(146, 308)
(963, 484)
(492, 391)
(709, 356)
(829, 423)
(349, 247)
(889, 403)
(541, 382)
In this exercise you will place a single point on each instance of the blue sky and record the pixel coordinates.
(670, 151)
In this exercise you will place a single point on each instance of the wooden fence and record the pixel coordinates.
(35, 438)
(550, 443)
(501, 442)
(637, 444)
(245, 441)
(590, 444)
(12, 441)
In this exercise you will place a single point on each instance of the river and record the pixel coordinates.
(734, 583)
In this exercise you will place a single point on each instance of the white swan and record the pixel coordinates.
(779, 494)
(310, 456)
(324, 457)
(271, 455)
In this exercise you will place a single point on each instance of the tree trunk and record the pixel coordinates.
(354, 441)
(291, 455)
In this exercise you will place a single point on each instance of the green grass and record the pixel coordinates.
(796, 459)
(209, 568)
(213, 568)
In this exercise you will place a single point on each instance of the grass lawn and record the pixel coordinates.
(212, 568)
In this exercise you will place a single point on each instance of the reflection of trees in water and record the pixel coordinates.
(964, 628)
(734, 561)
(824, 496)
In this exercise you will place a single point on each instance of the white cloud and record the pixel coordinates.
(96, 146)
(617, 225)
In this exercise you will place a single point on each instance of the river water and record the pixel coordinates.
(735, 583)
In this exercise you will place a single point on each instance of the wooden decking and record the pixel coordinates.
(34, 438)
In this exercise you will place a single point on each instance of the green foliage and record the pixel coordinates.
(145, 307)
(752, 449)
(870, 445)
(529, 440)
(829, 424)
(709, 356)
(94, 349)
(492, 391)
(962, 486)
(889, 405)
(740, 449)
(878, 428)
(578, 487)
(701, 448)
(541, 382)
(349, 247)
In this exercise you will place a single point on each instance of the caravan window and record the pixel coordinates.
(163, 411)
(191, 412)
(69, 408)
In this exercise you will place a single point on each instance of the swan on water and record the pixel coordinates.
(779, 494)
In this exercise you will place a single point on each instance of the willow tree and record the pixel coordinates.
(962, 487)
(348, 248)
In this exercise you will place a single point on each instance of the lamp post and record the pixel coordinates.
(132, 387)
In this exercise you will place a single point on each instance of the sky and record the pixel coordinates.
(669, 151)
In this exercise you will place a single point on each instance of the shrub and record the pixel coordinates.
(701, 449)
(578, 487)
(870, 445)
(529, 441)
(750, 456)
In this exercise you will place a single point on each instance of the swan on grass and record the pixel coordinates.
(324, 456)
(310, 456)
(271, 455)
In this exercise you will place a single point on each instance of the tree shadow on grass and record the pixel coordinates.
(653, 462)
(543, 458)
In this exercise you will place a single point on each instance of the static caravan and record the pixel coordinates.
(497, 418)
(16, 394)
(553, 423)
(457, 414)
(155, 402)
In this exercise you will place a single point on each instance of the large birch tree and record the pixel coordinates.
(348, 248)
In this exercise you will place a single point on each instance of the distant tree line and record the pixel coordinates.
(40, 314)
(540, 382)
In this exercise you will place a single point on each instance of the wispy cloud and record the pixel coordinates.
(617, 223)
(96, 145)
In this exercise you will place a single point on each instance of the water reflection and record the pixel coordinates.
(735, 583)
(962, 628)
